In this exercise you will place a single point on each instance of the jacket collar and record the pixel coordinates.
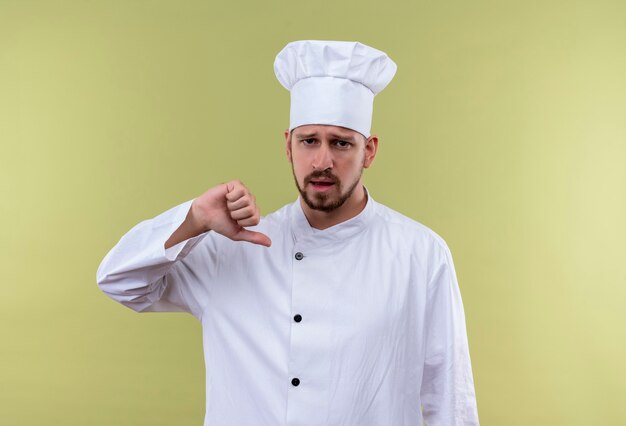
(304, 234)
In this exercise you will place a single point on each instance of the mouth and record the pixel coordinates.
(321, 185)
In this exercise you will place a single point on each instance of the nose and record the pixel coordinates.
(323, 158)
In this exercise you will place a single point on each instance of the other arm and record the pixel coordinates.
(447, 393)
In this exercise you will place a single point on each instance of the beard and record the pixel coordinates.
(323, 201)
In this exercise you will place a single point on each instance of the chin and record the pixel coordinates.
(324, 204)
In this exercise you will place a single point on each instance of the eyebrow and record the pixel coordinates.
(335, 135)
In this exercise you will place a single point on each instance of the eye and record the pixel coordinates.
(307, 141)
(343, 144)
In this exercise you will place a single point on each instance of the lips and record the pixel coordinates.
(321, 181)
(321, 184)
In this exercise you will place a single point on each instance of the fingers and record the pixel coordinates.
(247, 216)
(235, 190)
(253, 237)
(241, 204)
(244, 208)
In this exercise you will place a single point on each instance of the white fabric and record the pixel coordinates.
(382, 330)
(333, 82)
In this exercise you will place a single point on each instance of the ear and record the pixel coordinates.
(288, 145)
(371, 147)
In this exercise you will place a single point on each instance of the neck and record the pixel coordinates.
(352, 207)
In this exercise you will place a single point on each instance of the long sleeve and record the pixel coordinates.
(447, 393)
(141, 274)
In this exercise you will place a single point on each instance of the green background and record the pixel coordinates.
(504, 131)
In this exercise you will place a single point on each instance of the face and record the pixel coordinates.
(328, 162)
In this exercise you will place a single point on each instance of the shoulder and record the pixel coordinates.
(412, 233)
(427, 250)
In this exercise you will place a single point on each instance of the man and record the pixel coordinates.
(333, 310)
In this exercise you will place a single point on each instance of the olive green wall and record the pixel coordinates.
(504, 130)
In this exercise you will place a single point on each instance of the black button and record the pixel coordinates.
(299, 256)
(297, 318)
(295, 381)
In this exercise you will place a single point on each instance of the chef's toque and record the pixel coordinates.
(333, 82)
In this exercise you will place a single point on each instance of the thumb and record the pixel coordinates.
(254, 237)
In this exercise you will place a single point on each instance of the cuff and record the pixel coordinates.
(169, 222)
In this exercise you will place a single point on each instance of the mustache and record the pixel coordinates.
(327, 174)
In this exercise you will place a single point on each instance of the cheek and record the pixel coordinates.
(356, 164)
(299, 161)
(298, 170)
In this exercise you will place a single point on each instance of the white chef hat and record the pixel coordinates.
(333, 82)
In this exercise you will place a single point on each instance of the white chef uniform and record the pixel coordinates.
(359, 324)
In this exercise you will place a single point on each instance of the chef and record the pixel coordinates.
(333, 310)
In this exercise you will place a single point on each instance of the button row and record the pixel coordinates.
(297, 318)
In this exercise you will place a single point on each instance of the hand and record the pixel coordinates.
(227, 209)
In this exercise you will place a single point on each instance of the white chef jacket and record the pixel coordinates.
(366, 315)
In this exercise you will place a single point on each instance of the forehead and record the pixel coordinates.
(326, 130)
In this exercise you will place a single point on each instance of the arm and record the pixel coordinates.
(447, 393)
(153, 268)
